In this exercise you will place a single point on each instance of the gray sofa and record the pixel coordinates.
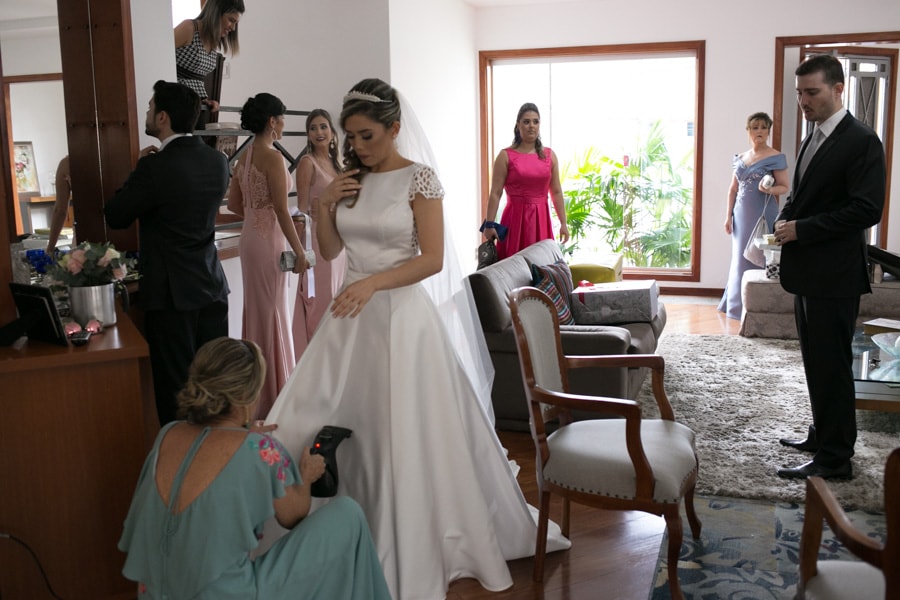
(491, 287)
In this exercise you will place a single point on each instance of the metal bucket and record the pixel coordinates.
(93, 302)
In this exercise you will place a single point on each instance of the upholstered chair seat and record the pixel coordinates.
(592, 457)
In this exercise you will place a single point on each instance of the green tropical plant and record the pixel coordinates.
(640, 209)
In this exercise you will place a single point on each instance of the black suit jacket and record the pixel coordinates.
(840, 195)
(176, 194)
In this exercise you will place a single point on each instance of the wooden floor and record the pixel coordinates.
(613, 554)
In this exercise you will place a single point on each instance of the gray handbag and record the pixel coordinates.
(752, 252)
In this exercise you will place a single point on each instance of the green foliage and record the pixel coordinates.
(641, 210)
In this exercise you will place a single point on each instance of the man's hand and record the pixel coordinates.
(148, 151)
(785, 231)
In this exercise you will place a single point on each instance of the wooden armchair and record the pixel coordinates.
(625, 463)
(877, 575)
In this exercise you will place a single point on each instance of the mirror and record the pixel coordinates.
(36, 131)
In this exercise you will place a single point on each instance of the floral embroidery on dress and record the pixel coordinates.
(142, 588)
(272, 454)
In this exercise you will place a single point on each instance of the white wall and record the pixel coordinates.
(151, 38)
(740, 46)
(436, 69)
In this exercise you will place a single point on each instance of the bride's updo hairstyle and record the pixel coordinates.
(372, 98)
(257, 111)
(225, 374)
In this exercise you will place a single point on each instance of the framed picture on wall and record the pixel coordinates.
(26, 170)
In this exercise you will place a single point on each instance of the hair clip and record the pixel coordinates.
(354, 95)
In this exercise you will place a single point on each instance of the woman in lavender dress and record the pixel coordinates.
(748, 198)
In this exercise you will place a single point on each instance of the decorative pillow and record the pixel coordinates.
(558, 273)
(560, 276)
(547, 286)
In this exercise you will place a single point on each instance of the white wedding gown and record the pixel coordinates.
(424, 461)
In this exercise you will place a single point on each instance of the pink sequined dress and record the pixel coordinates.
(527, 211)
(318, 285)
(266, 306)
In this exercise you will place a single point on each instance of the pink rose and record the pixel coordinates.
(119, 272)
(76, 261)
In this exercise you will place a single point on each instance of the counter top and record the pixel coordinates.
(118, 341)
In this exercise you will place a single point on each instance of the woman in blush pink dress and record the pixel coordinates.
(259, 192)
(318, 166)
(527, 171)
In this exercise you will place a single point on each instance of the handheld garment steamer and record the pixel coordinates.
(326, 443)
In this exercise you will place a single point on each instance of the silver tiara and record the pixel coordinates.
(354, 95)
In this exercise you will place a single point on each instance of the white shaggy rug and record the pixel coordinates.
(740, 395)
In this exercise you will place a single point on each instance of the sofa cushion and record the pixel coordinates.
(547, 286)
(492, 285)
(558, 272)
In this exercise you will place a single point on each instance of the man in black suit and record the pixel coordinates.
(175, 191)
(837, 193)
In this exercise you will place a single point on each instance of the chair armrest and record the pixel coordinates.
(654, 362)
(631, 410)
(822, 505)
(599, 404)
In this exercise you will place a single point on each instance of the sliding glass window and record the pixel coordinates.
(625, 123)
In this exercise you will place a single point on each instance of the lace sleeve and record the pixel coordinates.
(425, 181)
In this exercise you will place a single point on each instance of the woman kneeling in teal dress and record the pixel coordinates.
(208, 486)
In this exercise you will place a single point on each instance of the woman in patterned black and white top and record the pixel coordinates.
(198, 43)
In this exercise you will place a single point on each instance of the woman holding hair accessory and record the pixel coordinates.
(748, 198)
(319, 164)
(259, 193)
(528, 172)
(209, 485)
(424, 461)
(198, 43)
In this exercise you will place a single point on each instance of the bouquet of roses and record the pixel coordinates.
(89, 264)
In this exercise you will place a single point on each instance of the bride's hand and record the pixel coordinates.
(342, 186)
(351, 301)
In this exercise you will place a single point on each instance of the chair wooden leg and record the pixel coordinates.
(540, 546)
(693, 521)
(565, 518)
(674, 528)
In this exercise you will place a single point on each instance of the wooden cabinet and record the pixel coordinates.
(75, 426)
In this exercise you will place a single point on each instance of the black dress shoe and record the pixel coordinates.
(808, 445)
(811, 469)
(802, 445)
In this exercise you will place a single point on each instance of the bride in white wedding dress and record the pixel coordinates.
(424, 461)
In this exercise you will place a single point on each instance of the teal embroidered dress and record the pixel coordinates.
(203, 552)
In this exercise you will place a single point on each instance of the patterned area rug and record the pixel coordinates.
(749, 549)
(740, 395)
